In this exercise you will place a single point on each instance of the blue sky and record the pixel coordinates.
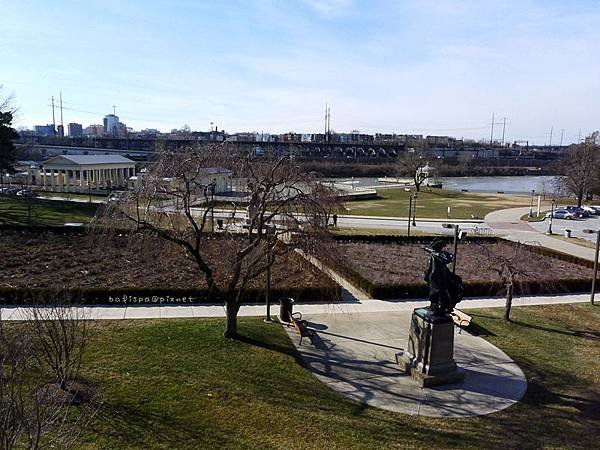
(420, 66)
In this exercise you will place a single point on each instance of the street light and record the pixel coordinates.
(458, 235)
(531, 203)
(270, 230)
(595, 261)
(551, 217)
(414, 223)
(410, 199)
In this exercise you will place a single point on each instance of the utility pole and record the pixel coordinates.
(562, 132)
(329, 122)
(503, 130)
(53, 118)
(551, 130)
(492, 133)
(61, 113)
(325, 122)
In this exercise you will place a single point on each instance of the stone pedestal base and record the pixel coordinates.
(429, 357)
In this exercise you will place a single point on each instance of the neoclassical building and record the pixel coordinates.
(79, 173)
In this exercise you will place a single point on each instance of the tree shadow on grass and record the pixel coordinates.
(136, 426)
(584, 334)
(272, 346)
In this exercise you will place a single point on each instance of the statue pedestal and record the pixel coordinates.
(429, 357)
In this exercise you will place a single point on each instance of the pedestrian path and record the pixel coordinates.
(352, 306)
(508, 224)
(355, 355)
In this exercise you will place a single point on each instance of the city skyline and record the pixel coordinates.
(268, 66)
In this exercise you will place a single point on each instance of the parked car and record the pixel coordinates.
(26, 193)
(9, 191)
(595, 210)
(579, 212)
(562, 214)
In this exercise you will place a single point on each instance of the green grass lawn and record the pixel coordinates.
(434, 204)
(35, 211)
(71, 195)
(178, 384)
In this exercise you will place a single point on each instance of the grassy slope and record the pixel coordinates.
(434, 204)
(179, 384)
(15, 211)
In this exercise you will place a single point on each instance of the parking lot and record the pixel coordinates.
(575, 225)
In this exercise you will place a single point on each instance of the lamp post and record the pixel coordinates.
(551, 217)
(531, 203)
(270, 230)
(595, 261)
(211, 186)
(410, 199)
(457, 236)
(414, 223)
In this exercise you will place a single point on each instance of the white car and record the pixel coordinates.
(595, 210)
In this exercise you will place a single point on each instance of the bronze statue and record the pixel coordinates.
(445, 287)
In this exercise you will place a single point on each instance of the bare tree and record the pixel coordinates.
(507, 271)
(410, 163)
(59, 333)
(175, 201)
(34, 413)
(579, 167)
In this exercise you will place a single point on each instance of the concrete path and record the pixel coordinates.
(507, 223)
(355, 355)
(349, 306)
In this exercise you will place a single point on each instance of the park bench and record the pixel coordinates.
(461, 319)
(301, 326)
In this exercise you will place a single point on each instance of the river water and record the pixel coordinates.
(507, 184)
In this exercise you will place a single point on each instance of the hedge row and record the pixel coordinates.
(149, 296)
(383, 239)
(472, 288)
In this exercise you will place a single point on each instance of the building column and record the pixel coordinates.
(52, 180)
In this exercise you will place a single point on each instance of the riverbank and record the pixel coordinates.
(328, 168)
(435, 204)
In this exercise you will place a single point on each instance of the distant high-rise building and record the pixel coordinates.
(93, 130)
(60, 131)
(75, 129)
(111, 124)
(44, 130)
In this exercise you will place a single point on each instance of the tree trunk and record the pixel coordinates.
(509, 296)
(579, 199)
(231, 310)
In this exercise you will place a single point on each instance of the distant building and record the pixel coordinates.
(75, 129)
(79, 173)
(44, 130)
(111, 125)
(60, 131)
(94, 130)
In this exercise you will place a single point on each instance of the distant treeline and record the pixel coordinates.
(448, 168)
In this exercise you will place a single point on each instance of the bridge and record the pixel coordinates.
(143, 148)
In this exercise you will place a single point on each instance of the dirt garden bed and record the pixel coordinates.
(31, 260)
(395, 269)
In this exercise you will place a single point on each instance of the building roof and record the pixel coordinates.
(82, 160)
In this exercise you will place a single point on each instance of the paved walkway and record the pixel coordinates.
(507, 223)
(355, 355)
(349, 306)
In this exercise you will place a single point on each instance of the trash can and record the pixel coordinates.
(286, 305)
(568, 233)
